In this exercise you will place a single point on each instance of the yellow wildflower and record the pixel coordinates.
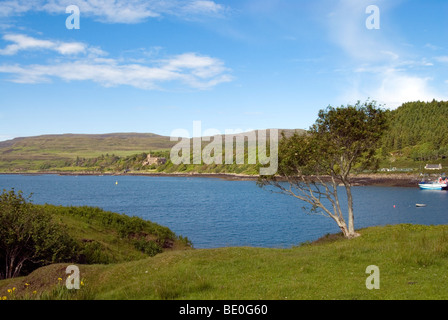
(14, 289)
(34, 292)
(27, 284)
(9, 290)
(59, 279)
(82, 283)
(4, 298)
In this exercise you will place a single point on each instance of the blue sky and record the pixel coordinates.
(157, 66)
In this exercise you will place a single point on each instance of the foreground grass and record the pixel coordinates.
(412, 260)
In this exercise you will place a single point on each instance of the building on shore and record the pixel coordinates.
(433, 167)
(153, 160)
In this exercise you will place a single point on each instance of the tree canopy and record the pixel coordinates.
(29, 237)
(313, 165)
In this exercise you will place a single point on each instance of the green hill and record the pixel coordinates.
(417, 135)
(57, 151)
(113, 152)
(417, 125)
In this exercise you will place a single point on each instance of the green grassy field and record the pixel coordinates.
(412, 260)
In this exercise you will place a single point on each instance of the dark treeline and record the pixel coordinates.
(418, 130)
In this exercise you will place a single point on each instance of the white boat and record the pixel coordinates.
(434, 185)
(420, 205)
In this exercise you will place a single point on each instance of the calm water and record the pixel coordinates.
(215, 213)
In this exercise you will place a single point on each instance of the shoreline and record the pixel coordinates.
(374, 179)
(387, 180)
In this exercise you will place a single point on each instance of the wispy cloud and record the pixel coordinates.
(4, 137)
(22, 42)
(190, 69)
(442, 59)
(203, 6)
(118, 11)
(346, 25)
(375, 64)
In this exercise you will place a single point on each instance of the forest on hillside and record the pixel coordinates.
(418, 131)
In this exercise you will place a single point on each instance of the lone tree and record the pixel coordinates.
(313, 166)
(28, 236)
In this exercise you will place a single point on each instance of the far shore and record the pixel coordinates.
(374, 179)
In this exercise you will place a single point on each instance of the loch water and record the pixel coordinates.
(215, 213)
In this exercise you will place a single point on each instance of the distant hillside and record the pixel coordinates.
(84, 144)
(418, 134)
(87, 152)
(34, 152)
(419, 131)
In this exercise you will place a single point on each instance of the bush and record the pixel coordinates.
(150, 248)
(92, 252)
(28, 237)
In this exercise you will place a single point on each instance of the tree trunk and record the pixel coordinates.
(351, 217)
(9, 266)
(342, 225)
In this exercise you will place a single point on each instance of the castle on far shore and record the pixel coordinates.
(153, 160)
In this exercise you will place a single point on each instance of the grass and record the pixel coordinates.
(412, 260)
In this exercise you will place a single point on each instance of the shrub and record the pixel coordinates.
(148, 247)
(92, 252)
(28, 236)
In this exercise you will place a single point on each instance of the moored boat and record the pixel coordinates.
(440, 184)
(419, 205)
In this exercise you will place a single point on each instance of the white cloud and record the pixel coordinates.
(203, 7)
(16, 7)
(190, 69)
(22, 42)
(432, 47)
(79, 62)
(390, 87)
(4, 137)
(117, 11)
(397, 88)
(443, 59)
(71, 48)
(346, 26)
(391, 54)
(200, 66)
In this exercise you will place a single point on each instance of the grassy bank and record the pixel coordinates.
(412, 260)
(109, 237)
(37, 235)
